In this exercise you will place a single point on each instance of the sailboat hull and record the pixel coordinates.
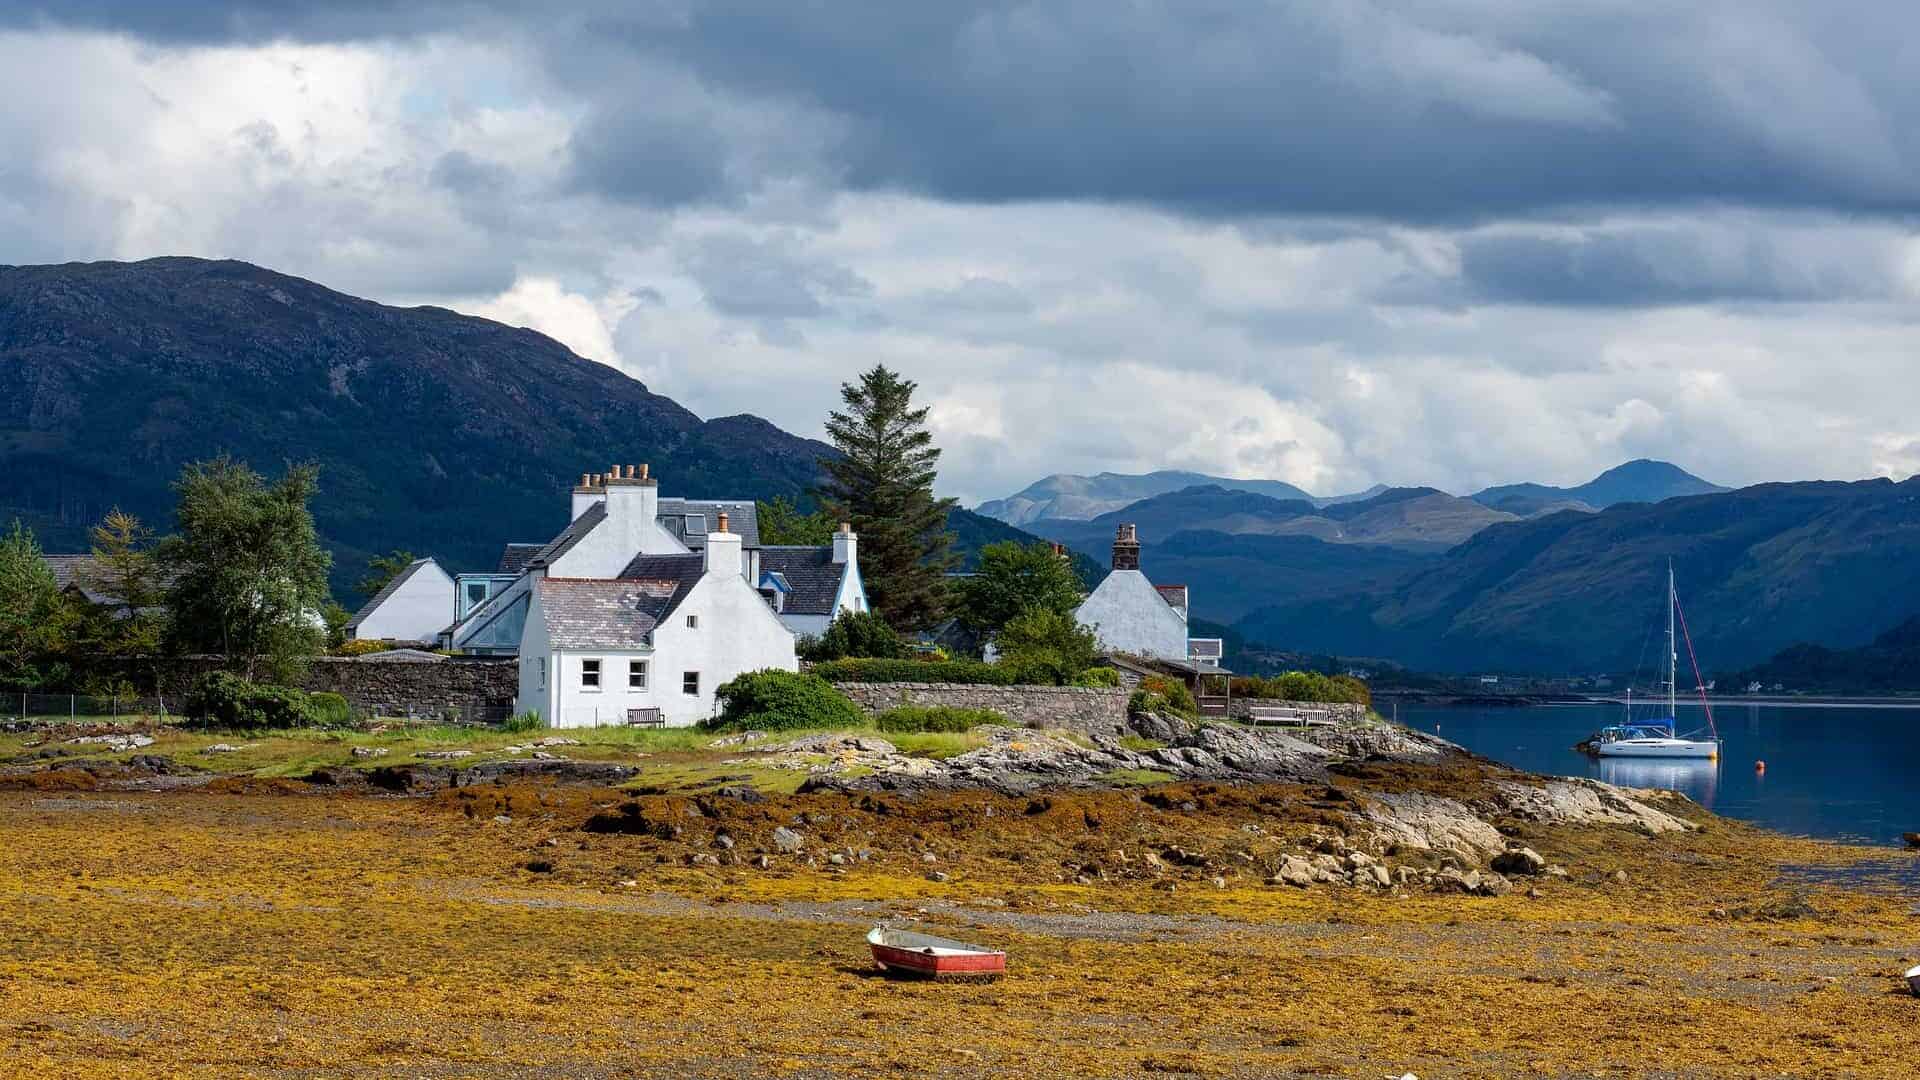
(1659, 748)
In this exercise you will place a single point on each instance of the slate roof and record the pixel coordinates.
(514, 557)
(743, 518)
(591, 613)
(569, 536)
(1174, 595)
(811, 573)
(69, 572)
(392, 586)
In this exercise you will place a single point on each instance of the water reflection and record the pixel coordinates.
(1697, 779)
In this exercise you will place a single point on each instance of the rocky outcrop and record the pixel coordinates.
(1580, 802)
(1431, 822)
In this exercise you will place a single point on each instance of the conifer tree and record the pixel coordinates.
(882, 482)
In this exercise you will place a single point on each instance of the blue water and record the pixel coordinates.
(1837, 772)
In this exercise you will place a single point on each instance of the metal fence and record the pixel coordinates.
(82, 707)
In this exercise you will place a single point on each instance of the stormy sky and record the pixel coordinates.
(1448, 242)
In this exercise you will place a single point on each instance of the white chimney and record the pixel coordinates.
(844, 545)
(585, 494)
(633, 502)
(723, 549)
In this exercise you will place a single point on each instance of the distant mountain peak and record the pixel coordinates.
(1642, 480)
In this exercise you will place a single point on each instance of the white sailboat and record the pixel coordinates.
(1658, 738)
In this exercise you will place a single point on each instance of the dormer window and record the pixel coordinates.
(696, 525)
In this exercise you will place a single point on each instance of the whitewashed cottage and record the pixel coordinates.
(411, 607)
(1129, 614)
(641, 606)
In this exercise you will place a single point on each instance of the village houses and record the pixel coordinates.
(638, 610)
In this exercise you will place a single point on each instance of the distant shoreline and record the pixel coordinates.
(1518, 701)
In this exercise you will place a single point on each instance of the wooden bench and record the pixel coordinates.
(647, 717)
(1273, 715)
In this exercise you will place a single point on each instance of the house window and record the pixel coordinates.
(636, 674)
(542, 669)
(693, 622)
(590, 674)
(690, 683)
(476, 592)
(696, 524)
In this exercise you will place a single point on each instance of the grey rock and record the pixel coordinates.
(1294, 870)
(1522, 861)
(369, 751)
(724, 841)
(937, 875)
(115, 743)
(788, 841)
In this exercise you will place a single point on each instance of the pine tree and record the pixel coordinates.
(882, 482)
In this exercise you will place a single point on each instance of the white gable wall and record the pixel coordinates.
(1126, 614)
(420, 608)
(735, 633)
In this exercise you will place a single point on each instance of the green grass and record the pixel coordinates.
(1140, 744)
(1136, 777)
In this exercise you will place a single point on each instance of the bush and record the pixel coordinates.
(522, 722)
(1101, 677)
(854, 633)
(1046, 647)
(972, 672)
(361, 647)
(935, 718)
(1307, 686)
(1160, 694)
(330, 710)
(225, 700)
(774, 700)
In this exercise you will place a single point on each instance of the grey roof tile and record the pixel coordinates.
(590, 613)
(743, 517)
(514, 557)
(810, 572)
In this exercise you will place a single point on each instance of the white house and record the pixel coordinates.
(618, 516)
(413, 606)
(1128, 614)
(650, 644)
(808, 586)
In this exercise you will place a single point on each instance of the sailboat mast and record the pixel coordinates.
(1673, 652)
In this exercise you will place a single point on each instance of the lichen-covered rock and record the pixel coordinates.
(1432, 822)
(1580, 802)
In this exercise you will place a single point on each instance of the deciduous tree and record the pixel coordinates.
(35, 618)
(1014, 578)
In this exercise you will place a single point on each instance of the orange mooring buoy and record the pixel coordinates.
(1759, 766)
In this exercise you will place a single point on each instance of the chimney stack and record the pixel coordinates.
(723, 550)
(1126, 548)
(844, 541)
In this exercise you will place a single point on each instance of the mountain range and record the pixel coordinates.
(436, 432)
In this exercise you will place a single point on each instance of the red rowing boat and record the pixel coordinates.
(933, 957)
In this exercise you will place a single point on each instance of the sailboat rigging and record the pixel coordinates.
(1658, 738)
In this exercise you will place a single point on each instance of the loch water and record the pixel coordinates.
(1840, 772)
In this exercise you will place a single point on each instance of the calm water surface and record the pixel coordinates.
(1838, 772)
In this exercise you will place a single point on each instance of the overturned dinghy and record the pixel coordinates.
(899, 952)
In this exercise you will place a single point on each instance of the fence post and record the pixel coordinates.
(72, 712)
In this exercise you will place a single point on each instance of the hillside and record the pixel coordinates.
(1887, 665)
(972, 531)
(436, 432)
(1414, 519)
(1069, 497)
(1639, 481)
(1760, 569)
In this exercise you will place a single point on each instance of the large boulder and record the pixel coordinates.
(1433, 823)
(1521, 861)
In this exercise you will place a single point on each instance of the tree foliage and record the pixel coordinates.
(1045, 646)
(35, 618)
(882, 482)
(783, 522)
(382, 569)
(773, 700)
(1013, 579)
(1305, 686)
(248, 574)
(854, 633)
(124, 572)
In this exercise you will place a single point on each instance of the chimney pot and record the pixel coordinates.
(643, 472)
(846, 526)
(723, 521)
(586, 480)
(1126, 548)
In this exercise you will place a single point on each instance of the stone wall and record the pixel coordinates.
(473, 688)
(1087, 710)
(1339, 712)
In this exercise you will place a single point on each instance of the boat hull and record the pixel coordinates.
(922, 956)
(1659, 748)
(1913, 981)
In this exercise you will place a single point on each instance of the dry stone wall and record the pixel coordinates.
(1340, 712)
(452, 687)
(1087, 710)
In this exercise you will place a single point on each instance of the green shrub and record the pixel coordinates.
(222, 699)
(1045, 647)
(330, 710)
(1305, 686)
(854, 633)
(522, 722)
(972, 672)
(935, 718)
(774, 700)
(1102, 677)
(1160, 694)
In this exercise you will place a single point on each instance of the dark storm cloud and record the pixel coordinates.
(1415, 110)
